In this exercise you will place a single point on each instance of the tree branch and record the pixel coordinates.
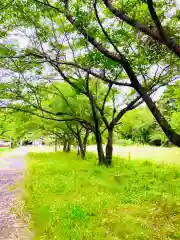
(143, 28)
(90, 38)
(100, 76)
(157, 22)
(106, 96)
(102, 28)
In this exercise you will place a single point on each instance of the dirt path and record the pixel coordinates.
(12, 166)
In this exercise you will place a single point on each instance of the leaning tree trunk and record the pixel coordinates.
(165, 126)
(109, 147)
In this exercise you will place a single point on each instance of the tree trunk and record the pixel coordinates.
(56, 144)
(65, 146)
(97, 131)
(109, 147)
(78, 151)
(11, 142)
(81, 147)
(68, 148)
(165, 126)
(100, 148)
(85, 140)
(82, 152)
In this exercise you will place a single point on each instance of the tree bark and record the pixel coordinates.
(109, 147)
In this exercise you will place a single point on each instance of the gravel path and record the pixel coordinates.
(12, 166)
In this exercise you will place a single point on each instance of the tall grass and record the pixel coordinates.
(73, 199)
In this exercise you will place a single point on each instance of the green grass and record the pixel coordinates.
(3, 149)
(150, 153)
(73, 199)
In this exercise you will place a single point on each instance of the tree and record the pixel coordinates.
(170, 104)
(99, 50)
(15, 126)
(159, 33)
(137, 125)
(120, 58)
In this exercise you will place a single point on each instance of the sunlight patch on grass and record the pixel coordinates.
(152, 153)
(69, 198)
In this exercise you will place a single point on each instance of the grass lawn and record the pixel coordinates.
(146, 152)
(151, 153)
(3, 149)
(73, 199)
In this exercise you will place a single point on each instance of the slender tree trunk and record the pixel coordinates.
(78, 151)
(82, 152)
(109, 147)
(68, 148)
(81, 147)
(85, 140)
(100, 148)
(65, 146)
(97, 131)
(82, 144)
(11, 142)
(56, 144)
